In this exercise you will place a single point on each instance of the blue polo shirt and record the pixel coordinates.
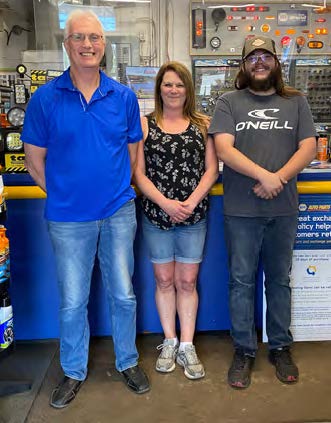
(87, 164)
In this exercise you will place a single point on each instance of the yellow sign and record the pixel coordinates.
(15, 162)
(38, 77)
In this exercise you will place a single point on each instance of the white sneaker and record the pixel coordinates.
(193, 368)
(166, 362)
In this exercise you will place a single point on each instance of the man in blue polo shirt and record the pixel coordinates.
(81, 132)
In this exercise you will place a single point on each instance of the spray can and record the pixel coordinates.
(3, 259)
(322, 147)
(5, 241)
(6, 323)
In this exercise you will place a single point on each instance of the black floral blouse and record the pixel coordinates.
(175, 163)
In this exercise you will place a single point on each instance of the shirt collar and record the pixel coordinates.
(106, 84)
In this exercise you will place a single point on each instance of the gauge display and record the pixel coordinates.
(215, 42)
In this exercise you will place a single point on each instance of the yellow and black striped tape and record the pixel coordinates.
(16, 169)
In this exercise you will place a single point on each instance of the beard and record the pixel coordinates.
(262, 84)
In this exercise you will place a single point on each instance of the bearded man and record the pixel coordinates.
(264, 133)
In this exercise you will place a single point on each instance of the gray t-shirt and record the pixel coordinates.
(267, 130)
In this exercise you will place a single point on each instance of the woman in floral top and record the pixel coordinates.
(176, 168)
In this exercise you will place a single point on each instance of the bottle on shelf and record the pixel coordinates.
(4, 262)
(6, 323)
(3, 207)
(322, 147)
(4, 246)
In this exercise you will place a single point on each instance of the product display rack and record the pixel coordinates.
(13, 384)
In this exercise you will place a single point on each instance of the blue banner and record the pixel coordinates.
(314, 223)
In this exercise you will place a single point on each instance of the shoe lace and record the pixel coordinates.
(240, 361)
(167, 350)
(191, 355)
(284, 355)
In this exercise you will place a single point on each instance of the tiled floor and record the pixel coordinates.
(173, 398)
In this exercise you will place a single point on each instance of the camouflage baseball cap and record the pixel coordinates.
(258, 43)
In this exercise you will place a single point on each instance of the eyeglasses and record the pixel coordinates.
(265, 58)
(170, 85)
(78, 37)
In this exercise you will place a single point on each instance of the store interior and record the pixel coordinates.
(207, 36)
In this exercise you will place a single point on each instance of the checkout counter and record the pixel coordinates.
(33, 277)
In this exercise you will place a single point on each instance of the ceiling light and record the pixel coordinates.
(315, 6)
(126, 1)
(310, 5)
(232, 5)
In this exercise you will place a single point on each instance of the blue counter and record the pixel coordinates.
(34, 288)
(33, 278)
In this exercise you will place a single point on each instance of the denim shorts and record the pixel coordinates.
(181, 243)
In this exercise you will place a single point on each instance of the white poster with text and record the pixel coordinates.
(311, 295)
(310, 277)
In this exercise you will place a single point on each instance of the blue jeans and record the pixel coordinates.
(247, 239)
(76, 245)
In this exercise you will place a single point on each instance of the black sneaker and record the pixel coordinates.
(239, 375)
(286, 370)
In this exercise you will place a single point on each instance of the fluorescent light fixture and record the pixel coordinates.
(315, 6)
(230, 5)
(126, 1)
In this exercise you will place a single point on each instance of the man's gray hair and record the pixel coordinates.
(80, 13)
